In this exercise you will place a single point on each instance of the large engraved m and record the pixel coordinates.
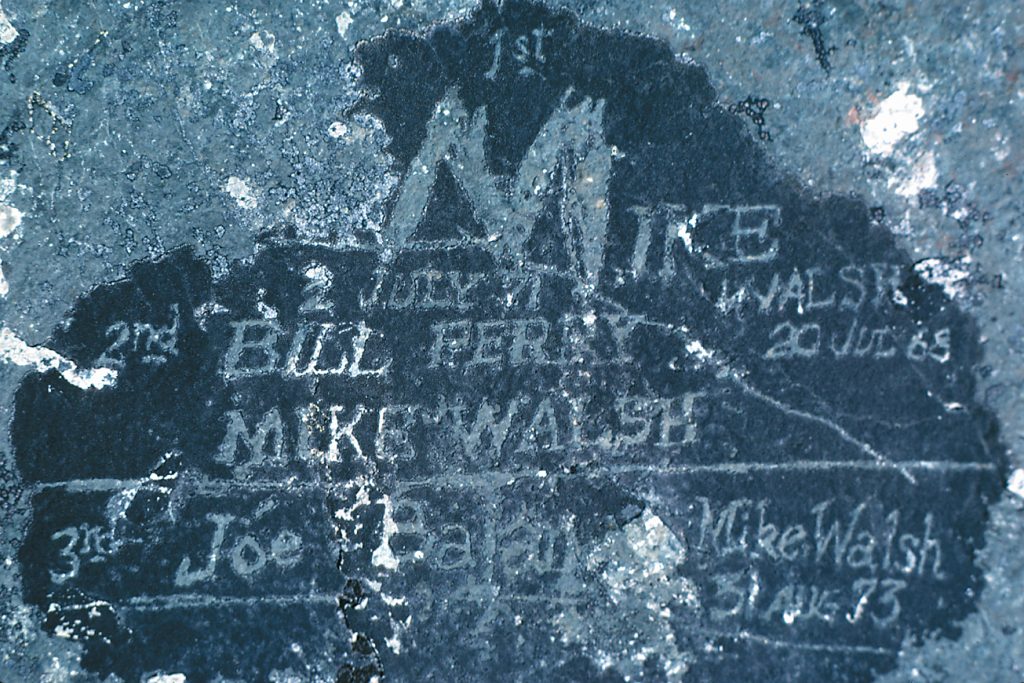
(568, 156)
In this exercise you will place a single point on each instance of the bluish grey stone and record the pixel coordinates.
(503, 348)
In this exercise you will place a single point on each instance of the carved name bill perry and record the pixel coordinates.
(605, 398)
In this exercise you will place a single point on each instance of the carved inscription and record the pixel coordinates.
(602, 397)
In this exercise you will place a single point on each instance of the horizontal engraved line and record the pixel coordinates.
(194, 600)
(737, 468)
(820, 465)
(148, 603)
(795, 645)
(199, 485)
(734, 468)
(198, 600)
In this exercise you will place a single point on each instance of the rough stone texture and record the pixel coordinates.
(130, 130)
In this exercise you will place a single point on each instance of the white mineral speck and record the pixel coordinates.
(264, 41)
(343, 20)
(10, 219)
(683, 231)
(922, 176)
(382, 555)
(1016, 483)
(15, 351)
(898, 116)
(10, 216)
(241, 192)
(952, 276)
(8, 34)
(337, 129)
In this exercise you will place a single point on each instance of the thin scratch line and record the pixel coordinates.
(737, 468)
(146, 603)
(725, 370)
(843, 434)
(812, 466)
(814, 647)
(503, 478)
(205, 486)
